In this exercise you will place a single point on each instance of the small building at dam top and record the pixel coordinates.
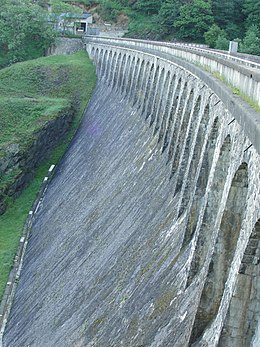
(148, 234)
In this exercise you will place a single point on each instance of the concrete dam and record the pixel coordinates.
(148, 234)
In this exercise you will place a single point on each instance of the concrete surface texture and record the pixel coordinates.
(149, 232)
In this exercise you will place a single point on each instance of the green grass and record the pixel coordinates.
(237, 91)
(32, 93)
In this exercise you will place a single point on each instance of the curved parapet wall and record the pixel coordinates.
(149, 233)
(244, 75)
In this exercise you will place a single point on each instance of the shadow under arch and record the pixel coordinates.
(183, 114)
(160, 113)
(185, 139)
(198, 151)
(148, 86)
(202, 181)
(140, 77)
(120, 73)
(167, 108)
(104, 62)
(125, 74)
(152, 92)
(224, 251)
(117, 70)
(112, 69)
(157, 95)
(134, 79)
(178, 98)
(107, 67)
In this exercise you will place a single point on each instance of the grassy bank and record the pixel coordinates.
(32, 93)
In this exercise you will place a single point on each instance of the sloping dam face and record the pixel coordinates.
(148, 233)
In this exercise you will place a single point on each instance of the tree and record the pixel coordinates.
(251, 9)
(148, 7)
(222, 43)
(212, 35)
(194, 20)
(222, 12)
(59, 6)
(169, 12)
(24, 29)
(228, 15)
(251, 42)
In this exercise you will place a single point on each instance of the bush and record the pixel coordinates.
(212, 35)
(222, 43)
(109, 10)
(251, 42)
(25, 32)
(144, 28)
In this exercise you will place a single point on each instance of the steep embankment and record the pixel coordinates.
(39, 102)
(101, 261)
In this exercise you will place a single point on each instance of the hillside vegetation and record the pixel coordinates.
(33, 94)
(25, 32)
(214, 22)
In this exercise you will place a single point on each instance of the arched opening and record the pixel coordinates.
(96, 55)
(143, 86)
(148, 87)
(134, 78)
(172, 110)
(160, 113)
(201, 183)
(166, 113)
(138, 89)
(182, 115)
(100, 60)
(196, 157)
(121, 73)
(185, 140)
(108, 66)
(157, 96)
(130, 75)
(112, 69)
(224, 250)
(103, 66)
(125, 74)
(151, 96)
(116, 73)
(243, 315)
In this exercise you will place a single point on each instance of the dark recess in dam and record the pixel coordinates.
(148, 234)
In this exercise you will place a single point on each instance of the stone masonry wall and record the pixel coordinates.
(24, 161)
(204, 143)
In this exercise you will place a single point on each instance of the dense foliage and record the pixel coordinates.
(214, 22)
(24, 31)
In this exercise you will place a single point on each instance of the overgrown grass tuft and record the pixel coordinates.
(32, 93)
